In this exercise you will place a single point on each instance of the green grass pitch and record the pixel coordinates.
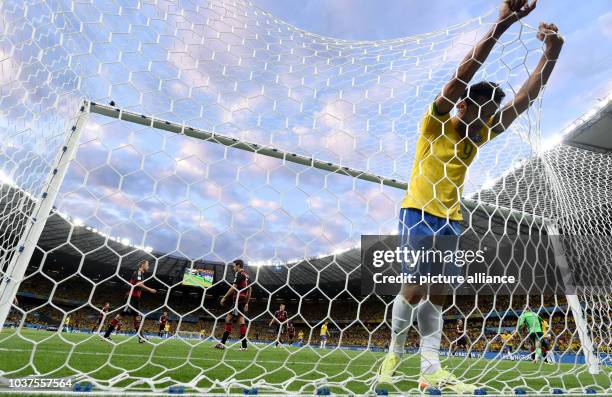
(174, 361)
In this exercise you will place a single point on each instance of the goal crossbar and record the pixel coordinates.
(201, 134)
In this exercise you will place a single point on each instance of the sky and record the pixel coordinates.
(342, 96)
(582, 77)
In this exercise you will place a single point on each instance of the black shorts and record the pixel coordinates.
(535, 336)
(132, 308)
(462, 341)
(162, 327)
(279, 329)
(238, 309)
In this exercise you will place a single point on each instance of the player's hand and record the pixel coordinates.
(246, 307)
(549, 34)
(152, 290)
(513, 10)
(222, 301)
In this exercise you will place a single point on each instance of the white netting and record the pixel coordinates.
(174, 193)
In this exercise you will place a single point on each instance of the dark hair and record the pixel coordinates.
(485, 89)
(142, 262)
(239, 262)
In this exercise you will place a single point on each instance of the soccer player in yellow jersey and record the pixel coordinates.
(506, 338)
(324, 335)
(446, 146)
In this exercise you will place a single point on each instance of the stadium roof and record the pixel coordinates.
(571, 176)
(593, 131)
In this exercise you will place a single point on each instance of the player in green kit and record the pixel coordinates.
(533, 323)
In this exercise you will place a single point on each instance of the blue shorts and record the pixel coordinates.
(420, 231)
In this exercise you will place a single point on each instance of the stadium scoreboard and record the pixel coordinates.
(199, 277)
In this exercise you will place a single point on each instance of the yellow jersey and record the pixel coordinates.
(323, 330)
(167, 327)
(441, 162)
(506, 337)
(544, 327)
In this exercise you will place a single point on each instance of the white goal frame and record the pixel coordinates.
(44, 205)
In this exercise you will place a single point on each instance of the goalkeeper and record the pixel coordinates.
(446, 146)
(533, 323)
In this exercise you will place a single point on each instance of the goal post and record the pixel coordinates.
(17, 267)
(586, 343)
(14, 271)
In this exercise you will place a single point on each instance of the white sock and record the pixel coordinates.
(429, 317)
(401, 320)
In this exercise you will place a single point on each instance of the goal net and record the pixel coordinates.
(231, 135)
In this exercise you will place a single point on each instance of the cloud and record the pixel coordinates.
(580, 77)
(605, 24)
(368, 20)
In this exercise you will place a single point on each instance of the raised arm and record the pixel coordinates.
(142, 285)
(510, 12)
(529, 91)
